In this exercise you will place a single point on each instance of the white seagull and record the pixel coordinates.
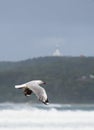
(34, 86)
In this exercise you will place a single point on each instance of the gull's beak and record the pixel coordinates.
(44, 82)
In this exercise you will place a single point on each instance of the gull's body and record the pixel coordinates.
(34, 86)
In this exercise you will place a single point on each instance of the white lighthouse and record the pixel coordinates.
(57, 52)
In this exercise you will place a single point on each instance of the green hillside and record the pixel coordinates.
(69, 79)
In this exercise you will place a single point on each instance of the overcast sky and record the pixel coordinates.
(33, 28)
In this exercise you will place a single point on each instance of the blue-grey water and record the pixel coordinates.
(29, 116)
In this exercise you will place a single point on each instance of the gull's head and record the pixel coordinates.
(40, 82)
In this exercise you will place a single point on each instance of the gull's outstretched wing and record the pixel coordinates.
(40, 93)
(20, 86)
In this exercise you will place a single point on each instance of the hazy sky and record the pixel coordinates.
(33, 28)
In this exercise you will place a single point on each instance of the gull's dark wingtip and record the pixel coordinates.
(46, 102)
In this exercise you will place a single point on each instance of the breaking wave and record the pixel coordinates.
(28, 116)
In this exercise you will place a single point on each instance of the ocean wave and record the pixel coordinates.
(59, 107)
(26, 116)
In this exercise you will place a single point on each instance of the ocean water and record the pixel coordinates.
(28, 116)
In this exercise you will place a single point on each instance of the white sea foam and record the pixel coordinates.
(27, 117)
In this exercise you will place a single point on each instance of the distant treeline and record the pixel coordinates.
(69, 79)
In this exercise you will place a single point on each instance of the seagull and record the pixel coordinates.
(34, 87)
